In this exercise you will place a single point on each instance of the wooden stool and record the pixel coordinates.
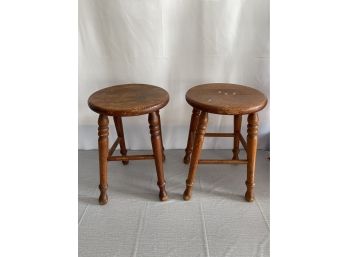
(225, 99)
(128, 100)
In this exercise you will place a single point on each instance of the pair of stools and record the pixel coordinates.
(138, 99)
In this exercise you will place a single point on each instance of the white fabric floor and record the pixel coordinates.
(215, 222)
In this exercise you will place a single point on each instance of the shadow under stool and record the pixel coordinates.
(124, 101)
(225, 99)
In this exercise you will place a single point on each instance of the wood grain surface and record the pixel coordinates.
(224, 98)
(128, 100)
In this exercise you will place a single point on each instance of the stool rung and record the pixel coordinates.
(113, 147)
(242, 140)
(238, 135)
(208, 161)
(131, 157)
(219, 134)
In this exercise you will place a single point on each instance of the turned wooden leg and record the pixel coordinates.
(253, 121)
(103, 133)
(158, 152)
(120, 135)
(160, 126)
(237, 126)
(191, 135)
(199, 139)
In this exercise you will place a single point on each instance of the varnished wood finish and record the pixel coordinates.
(199, 139)
(128, 100)
(113, 147)
(132, 157)
(228, 99)
(158, 152)
(209, 161)
(243, 142)
(191, 135)
(103, 133)
(237, 126)
(120, 135)
(160, 127)
(219, 135)
(253, 122)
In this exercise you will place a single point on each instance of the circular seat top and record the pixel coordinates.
(128, 100)
(224, 98)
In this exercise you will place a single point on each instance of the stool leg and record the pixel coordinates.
(253, 121)
(199, 139)
(237, 126)
(160, 126)
(103, 133)
(119, 130)
(157, 149)
(191, 135)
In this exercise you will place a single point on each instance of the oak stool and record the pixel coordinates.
(225, 99)
(124, 101)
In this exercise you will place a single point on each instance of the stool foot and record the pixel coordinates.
(187, 194)
(163, 196)
(249, 196)
(125, 162)
(103, 198)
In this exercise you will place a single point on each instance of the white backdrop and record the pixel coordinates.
(175, 44)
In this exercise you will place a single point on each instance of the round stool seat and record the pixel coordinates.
(128, 100)
(224, 98)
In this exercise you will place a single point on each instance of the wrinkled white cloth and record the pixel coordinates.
(175, 44)
(216, 222)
